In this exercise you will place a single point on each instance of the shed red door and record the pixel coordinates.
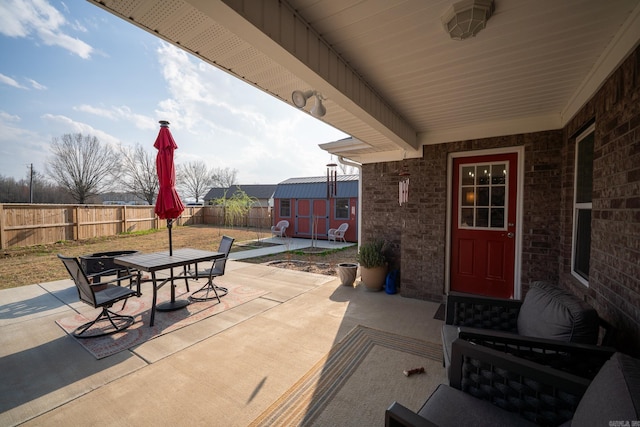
(303, 217)
(484, 225)
(320, 218)
(311, 217)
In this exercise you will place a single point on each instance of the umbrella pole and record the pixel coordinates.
(173, 304)
(169, 226)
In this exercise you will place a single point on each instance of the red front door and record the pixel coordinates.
(484, 225)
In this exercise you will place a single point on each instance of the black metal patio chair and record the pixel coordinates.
(210, 290)
(101, 295)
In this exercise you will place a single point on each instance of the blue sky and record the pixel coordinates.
(71, 67)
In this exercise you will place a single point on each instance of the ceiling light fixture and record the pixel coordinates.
(466, 18)
(299, 99)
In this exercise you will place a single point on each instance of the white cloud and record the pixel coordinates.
(24, 18)
(36, 85)
(122, 113)
(6, 117)
(62, 125)
(19, 147)
(229, 123)
(10, 82)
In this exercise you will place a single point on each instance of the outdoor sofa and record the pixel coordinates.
(547, 314)
(488, 387)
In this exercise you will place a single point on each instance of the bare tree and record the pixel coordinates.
(139, 175)
(194, 179)
(224, 178)
(347, 169)
(82, 165)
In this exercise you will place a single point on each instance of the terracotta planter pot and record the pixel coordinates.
(373, 278)
(347, 273)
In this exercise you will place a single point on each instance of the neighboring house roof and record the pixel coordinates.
(316, 187)
(259, 191)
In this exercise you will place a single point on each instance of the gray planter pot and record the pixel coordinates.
(347, 273)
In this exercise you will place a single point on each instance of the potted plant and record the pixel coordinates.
(373, 265)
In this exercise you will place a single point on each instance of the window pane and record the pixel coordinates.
(466, 218)
(497, 218)
(482, 217)
(483, 175)
(497, 196)
(483, 196)
(498, 174)
(583, 243)
(468, 197)
(468, 175)
(342, 209)
(584, 170)
(285, 207)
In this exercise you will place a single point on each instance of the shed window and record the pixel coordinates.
(581, 242)
(285, 208)
(342, 209)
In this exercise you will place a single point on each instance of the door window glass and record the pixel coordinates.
(483, 190)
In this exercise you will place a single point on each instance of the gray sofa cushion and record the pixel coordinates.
(449, 335)
(550, 312)
(613, 395)
(448, 406)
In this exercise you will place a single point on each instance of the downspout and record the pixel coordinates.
(358, 166)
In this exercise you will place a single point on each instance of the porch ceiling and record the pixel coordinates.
(393, 78)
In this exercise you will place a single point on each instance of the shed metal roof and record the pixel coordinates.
(259, 191)
(316, 187)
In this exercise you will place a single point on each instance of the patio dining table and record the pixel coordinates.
(157, 261)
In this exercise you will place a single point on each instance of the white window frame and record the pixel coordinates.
(578, 206)
(280, 206)
(335, 210)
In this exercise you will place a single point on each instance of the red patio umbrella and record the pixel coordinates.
(168, 204)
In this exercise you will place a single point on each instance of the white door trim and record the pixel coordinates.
(519, 150)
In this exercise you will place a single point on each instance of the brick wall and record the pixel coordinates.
(614, 272)
(418, 229)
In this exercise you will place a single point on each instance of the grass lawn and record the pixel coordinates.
(39, 264)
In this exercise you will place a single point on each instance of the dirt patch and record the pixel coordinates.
(306, 266)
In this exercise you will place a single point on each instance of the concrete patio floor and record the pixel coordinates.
(224, 370)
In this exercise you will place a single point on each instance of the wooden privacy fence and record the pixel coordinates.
(37, 224)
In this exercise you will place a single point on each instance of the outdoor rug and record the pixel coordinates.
(357, 380)
(165, 321)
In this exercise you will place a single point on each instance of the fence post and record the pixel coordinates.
(76, 224)
(3, 243)
(124, 219)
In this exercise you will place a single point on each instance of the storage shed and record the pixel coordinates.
(304, 203)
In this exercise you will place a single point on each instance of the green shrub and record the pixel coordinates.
(371, 255)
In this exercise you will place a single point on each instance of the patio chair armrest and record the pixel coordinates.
(583, 360)
(482, 312)
(609, 333)
(541, 394)
(110, 272)
(398, 415)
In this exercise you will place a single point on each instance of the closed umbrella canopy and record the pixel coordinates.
(168, 203)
